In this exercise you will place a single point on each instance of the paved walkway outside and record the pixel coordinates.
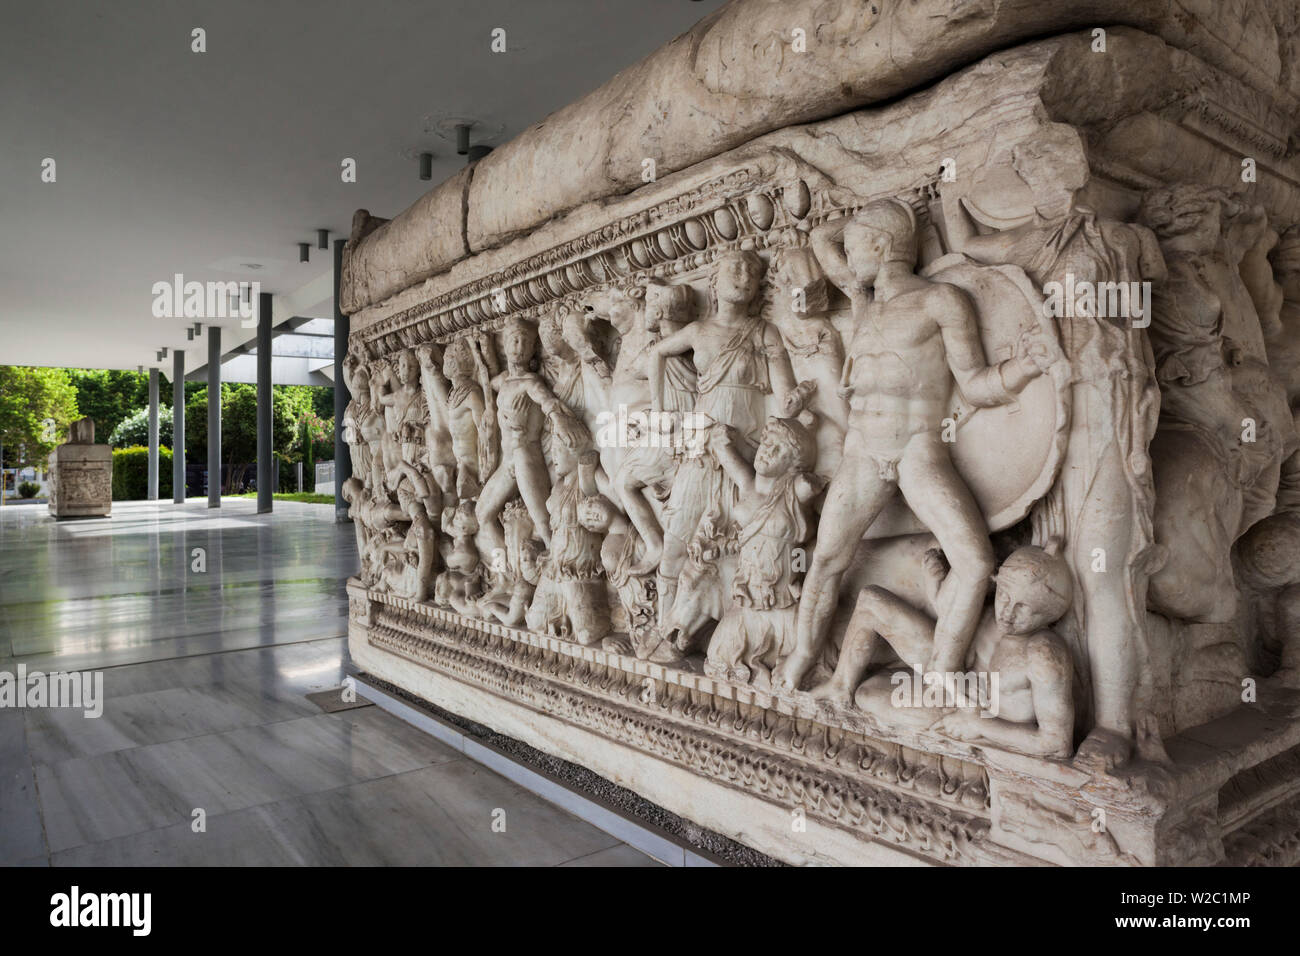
(205, 675)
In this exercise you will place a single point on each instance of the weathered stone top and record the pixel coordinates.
(82, 432)
(736, 76)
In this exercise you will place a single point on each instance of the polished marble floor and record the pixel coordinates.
(209, 629)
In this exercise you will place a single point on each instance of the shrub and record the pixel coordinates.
(134, 429)
(28, 489)
(131, 473)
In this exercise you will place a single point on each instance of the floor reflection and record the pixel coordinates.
(207, 664)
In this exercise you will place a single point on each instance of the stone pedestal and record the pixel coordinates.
(687, 438)
(81, 475)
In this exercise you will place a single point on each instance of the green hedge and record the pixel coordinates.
(131, 473)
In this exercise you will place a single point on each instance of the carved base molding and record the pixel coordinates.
(802, 789)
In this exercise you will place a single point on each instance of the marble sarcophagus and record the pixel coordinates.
(81, 475)
(872, 439)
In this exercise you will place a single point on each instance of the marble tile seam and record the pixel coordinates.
(577, 860)
(23, 658)
(271, 801)
(190, 738)
(327, 584)
(438, 823)
(36, 793)
(61, 642)
(276, 801)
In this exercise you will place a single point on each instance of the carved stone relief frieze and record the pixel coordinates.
(780, 452)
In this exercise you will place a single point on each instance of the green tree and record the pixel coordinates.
(108, 395)
(315, 442)
(133, 428)
(322, 400)
(300, 399)
(36, 407)
(239, 426)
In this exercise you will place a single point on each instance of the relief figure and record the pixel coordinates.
(915, 341)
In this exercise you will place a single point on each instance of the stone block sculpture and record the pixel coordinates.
(81, 475)
(909, 471)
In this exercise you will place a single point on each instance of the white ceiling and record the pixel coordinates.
(170, 161)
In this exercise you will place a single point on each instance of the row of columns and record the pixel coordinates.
(266, 470)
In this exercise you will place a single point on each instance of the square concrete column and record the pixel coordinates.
(153, 435)
(178, 426)
(342, 455)
(214, 416)
(265, 456)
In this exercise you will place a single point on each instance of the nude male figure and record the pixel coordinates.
(522, 401)
(915, 341)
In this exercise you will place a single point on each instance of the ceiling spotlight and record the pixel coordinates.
(322, 238)
(462, 138)
(426, 166)
(476, 153)
(304, 251)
